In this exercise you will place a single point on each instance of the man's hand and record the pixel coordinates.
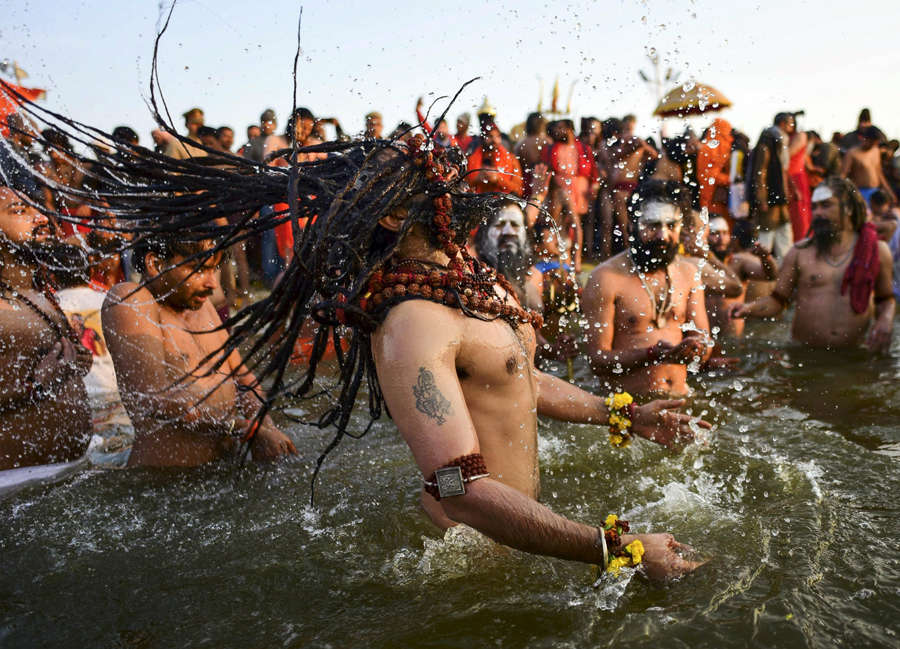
(662, 560)
(739, 311)
(657, 422)
(682, 353)
(879, 338)
(270, 444)
(721, 363)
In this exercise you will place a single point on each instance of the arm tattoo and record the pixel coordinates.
(429, 399)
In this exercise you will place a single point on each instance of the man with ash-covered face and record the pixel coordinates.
(645, 305)
(502, 243)
(841, 277)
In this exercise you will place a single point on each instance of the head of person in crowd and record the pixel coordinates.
(374, 124)
(865, 119)
(253, 131)
(785, 123)
(442, 133)
(884, 215)
(402, 132)
(207, 135)
(535, 124)
(837, 207)
(179, 272)
(676, 150)
(657, 210)
(628, 124)
(869, 137)
(300, 126)
(719, 237)
(744, 235)
(611, 128)
(590, 131)
(193, 120)
(491, 138)
(564, 131)
(268, 122)
(56, 144)
(502, 242)
(126, 135)
(225, 137)
(462, 123)
(21, 135)
(22, 228)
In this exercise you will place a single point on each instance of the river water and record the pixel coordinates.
(793, 501)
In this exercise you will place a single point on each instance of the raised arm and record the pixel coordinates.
(758, 265)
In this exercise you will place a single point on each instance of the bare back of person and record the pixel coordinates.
(182, 340)
(864, 167)
(718, 307)
(615, 283)
(37, 431)
(530, 150)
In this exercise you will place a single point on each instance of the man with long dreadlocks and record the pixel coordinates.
(437, 337)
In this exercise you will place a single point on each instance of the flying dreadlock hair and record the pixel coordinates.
(340, 189)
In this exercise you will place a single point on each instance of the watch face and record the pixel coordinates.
(450, 482)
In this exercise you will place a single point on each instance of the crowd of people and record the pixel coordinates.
(640, 257)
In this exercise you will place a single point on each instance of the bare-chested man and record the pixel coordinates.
(628, 157)
(44, 414)
(862, 165)
(159, 336)
(645, 308)
(833, 275)
(470, 387)
(530, 149)
(753, 262)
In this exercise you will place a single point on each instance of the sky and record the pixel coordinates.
(234, 59)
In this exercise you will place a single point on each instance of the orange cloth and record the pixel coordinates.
(712, 166)
(510, 176)
(9, 102)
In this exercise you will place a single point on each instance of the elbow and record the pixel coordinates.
(733, 289)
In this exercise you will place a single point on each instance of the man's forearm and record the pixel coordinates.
(513, 519)
(885, 310)
(561, 400)
(764, 307)
(605, 361)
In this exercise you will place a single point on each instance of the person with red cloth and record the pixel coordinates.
(841, 276)
(799, 199)
(491, 167)
(713, 158)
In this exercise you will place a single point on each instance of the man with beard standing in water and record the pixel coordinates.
(645, 309)
(841, 276)
(502, 243)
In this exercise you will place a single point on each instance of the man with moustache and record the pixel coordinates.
(44, 415)
(747, 259)
(164, 336)
(502, 243)
(645, 309)
(840, 277)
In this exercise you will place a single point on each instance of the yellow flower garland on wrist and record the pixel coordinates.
(621, 408)
(627, 557)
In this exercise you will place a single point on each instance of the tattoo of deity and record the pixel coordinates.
(429, 399)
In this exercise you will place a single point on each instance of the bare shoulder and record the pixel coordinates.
(128, 304)
(685, 268)
(606, 278)
(417, 327)
(884, 253)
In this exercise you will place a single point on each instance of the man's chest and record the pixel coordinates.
(494, 353)
(653, 302)
(188, 341)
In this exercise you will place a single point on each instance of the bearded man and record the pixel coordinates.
(840, 277)
(502, 243)
(645, 307)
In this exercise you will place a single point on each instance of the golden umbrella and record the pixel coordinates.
(691, 99)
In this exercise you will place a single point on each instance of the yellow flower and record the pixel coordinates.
(611, 520)
(620, 400)
(616, 440)
(636, 550)
(617, 564)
